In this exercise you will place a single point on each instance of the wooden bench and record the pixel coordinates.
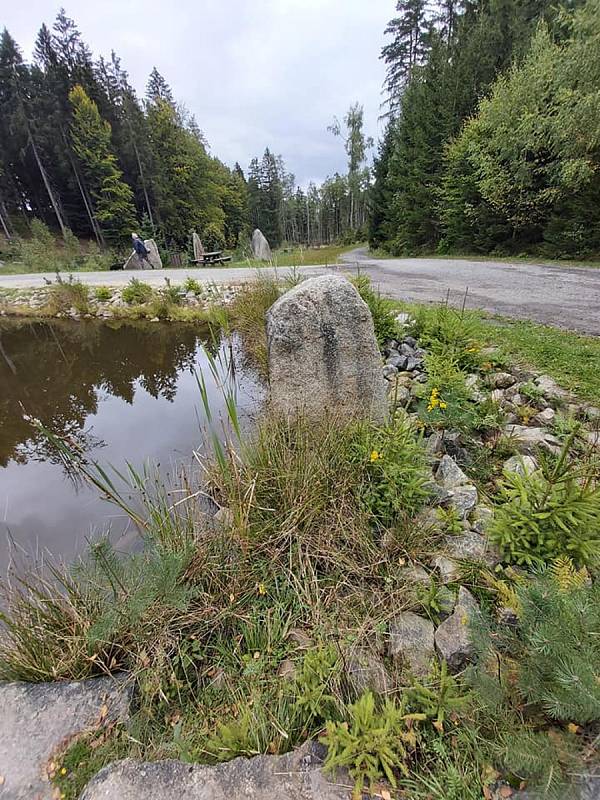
(215, 257)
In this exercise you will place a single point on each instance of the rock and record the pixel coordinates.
(449, 474)
(545, 417)
(463, 500)
(415, 574)
(591, 413)
(389, 372)
(366, 670)
(528, 439)
(592, 438)
(497, 396)
(410, 341)
(522, 465)
(472, 546)
(550, 389)
(412, 363)
(449, 570)
(501, 380)
(434, 445)
(38, 718)
(224, 517)
(153, 254)
(294, 776)
(260, 246)
(481, 518)
(411, 642)
(400, 394)
(322, 352)
(398, 361)
(287, 669)
(452, 638)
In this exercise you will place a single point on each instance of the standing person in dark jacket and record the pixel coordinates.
(140, 249)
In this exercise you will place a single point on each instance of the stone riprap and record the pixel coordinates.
(323, 354)
(261, 248)
(39, 720)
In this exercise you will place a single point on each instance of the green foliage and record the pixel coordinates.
(374, 744)
(522, 161)
(70, 293)
(314, 698)
(393, 466)
(554, 649)
(136, 292)
(551, 512)
(449, 332)
(192, 285)
(248, 313)
(91, 137)
(102, 293)
(440, 700)
(171, 294)
(382, 310)
(212, 237)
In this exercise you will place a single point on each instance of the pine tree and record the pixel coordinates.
(407, 48)
(158, 89)
(113, 198)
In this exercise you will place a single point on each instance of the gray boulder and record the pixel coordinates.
(37, 720)
(463, 500)
(295, 776)
(366, 670)
(502, 380)
(472, 546)
(449, 474)
(260, 246)
(521, 465)
(453, 638)
(411, 642)
(527, 440)
(322, 352)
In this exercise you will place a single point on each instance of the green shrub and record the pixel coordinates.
(69, 294)
(373, 744)
(449, 333)
(549, 659)
(192, 285)
(171, 294)
(382, 310)
(393, 466)
(103, 293)
(213, 238)
(551, 512)
(136, 292)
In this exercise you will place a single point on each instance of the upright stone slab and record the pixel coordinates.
(197, 246)
(260, 246)
(323, 354)
(154, 259)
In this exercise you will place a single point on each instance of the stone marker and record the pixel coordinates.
(39, 718)
(260, 246)
(295, 776)
(323, 353)
(197, 246)
(154, 259)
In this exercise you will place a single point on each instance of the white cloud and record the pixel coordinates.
(255, 73)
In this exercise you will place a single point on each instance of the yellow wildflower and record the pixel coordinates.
(261, 588)
(375, 455)
(63, 771)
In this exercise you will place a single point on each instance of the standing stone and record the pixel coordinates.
(154, 259)
(197, 246)
(260, 246)
(323, 353)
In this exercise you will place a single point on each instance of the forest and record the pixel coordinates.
(83, 155)
(492, 143)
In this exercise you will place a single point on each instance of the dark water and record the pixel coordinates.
(123, 391)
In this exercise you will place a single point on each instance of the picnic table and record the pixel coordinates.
(214, 257)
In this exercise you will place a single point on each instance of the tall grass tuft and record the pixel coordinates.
(248, 312)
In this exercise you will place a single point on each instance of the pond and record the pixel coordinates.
(124, 392)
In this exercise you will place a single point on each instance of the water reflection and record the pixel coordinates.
(122, 391)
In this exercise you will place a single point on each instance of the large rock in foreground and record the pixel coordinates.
(295, 776)
(323, 354)
(39, 719)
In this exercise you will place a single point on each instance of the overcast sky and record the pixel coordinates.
(255, 73)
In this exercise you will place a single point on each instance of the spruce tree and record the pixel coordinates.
(113, 199)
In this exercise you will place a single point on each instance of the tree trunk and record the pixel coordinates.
(84, 195)
(48, 188)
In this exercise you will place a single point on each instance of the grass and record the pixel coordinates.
(572, 359)
(299, 256)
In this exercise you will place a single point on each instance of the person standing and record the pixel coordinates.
(140, 249)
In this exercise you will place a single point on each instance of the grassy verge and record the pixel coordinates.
(520, 259)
